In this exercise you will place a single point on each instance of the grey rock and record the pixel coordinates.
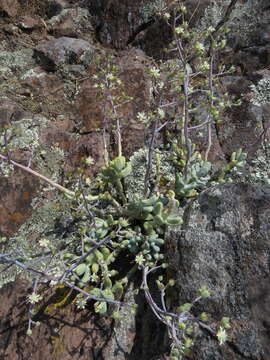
(16, 61)
(225, 245)
(64, 50)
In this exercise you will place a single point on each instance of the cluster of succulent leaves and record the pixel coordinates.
(200, 173)
(131, 228)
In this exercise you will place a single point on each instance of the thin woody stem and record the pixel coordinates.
(209, 124)
(35, 173)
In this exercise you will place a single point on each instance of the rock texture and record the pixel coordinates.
(224, 244)
(48, 53)
(63, 50)
(10, 7)
(47, 63)
(64, 332)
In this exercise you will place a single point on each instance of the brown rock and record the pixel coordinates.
(90, 109)
(64, 332)
(119, 22)
(29, 23)
(18, 190)
(239, 128)
(43, 84)
(10, 7)
(72, 23)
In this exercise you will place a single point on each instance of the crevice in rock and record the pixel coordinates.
(139, 30)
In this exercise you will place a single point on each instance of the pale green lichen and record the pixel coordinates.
(49, 161)
(51, 221)
(57, 19)
(135, 181)
(243, 22)
(150, 9)
(261, 92)
(259, 168)
(17, 60)
(33, 73)
(6, 169)
(5, 71)
(80, 18)
(25, 133)
(12, 64)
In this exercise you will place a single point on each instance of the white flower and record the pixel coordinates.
(53, 283)
(89, 161)
(29, 332)
(167, 16)
(34, 298)
(81, 303)
(161, 113)
(161, 85)
(179, 30)
(141, 116)
(205, 66)
(110, 76)
(199, 47)
(44, 243)
(211, 29)
(139, 259)
(222, 336)
(155, 72)
(183, 9)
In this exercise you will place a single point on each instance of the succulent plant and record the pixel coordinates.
(238, 160)
(141, 209)
(154, 214)
(197, 176)
(115, 172)
(96, 263)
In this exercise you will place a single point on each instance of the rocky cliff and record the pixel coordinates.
(51, 52)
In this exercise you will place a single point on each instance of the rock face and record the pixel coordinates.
(62, 335)
(117, 21)
(64, 332)
(225, 245)
(10, 7)
(16, 192)
(47, 71)
(62, 51)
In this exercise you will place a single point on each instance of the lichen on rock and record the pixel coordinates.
(243, 23)
(50, 221)
(135, 181)
(261, 92)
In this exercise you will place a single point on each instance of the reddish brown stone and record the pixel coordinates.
(64, 332)
(43, 84)
(74, 22)
(11, 7)
(90, 109)
(29, 23)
